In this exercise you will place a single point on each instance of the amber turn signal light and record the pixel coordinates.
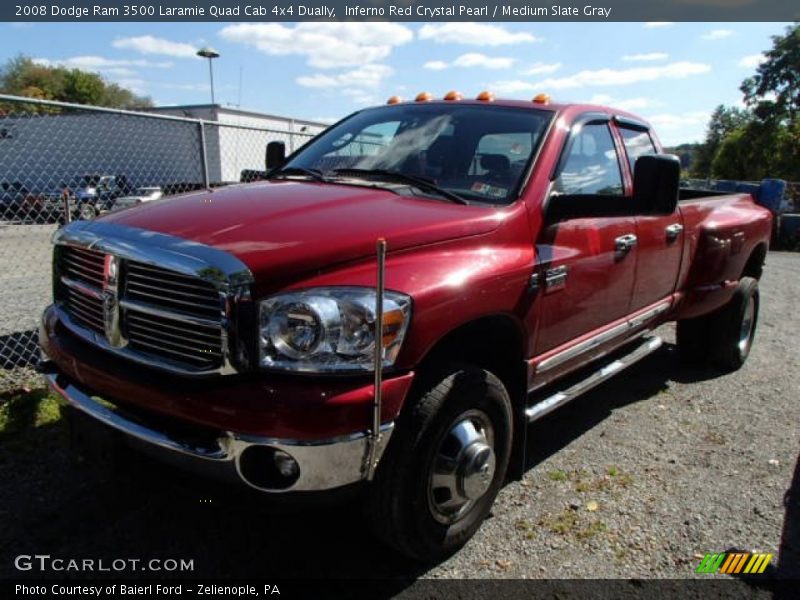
(541, 99)
(392, 326)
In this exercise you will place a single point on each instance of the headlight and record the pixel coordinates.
(329, 329)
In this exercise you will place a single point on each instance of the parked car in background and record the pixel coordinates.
(97, 193)
(18, 203)
(141, 194)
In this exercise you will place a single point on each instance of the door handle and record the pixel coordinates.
(624, 243)
(673, 231)
(556, 277)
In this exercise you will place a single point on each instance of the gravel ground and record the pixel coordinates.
(25, 265)
(639, 478)
(25, 290)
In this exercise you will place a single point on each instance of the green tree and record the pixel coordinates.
(21, 76)
(83, 88)
(724, 120)
(773, 94)
(764, 140)
(774, 91)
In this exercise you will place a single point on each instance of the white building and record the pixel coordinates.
(240, 139)
(44, 150)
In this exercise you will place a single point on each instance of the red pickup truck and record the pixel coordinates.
(391, 307)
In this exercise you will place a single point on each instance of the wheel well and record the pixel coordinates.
(497, 344)
(494, 343)
(755, 264)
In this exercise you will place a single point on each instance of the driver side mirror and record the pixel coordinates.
(656, 184)
(276, 155)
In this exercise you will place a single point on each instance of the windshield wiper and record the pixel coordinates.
(422, 183)
(314, 174)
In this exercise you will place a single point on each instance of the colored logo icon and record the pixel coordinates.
(732, 563)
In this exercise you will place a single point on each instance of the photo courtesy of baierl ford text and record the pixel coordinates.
(400, 299)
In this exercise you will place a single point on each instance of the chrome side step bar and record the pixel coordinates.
(646, 347)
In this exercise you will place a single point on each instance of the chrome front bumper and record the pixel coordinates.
(322, 464)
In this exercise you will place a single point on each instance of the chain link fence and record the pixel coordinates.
(60, 162)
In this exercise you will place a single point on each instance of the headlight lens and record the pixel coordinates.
(330, 329)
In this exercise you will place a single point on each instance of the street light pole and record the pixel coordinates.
(210, 54)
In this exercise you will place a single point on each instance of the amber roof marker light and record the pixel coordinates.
(424, 97)
(541, 99)
(453, 96)
(394, 100)
(486, 96)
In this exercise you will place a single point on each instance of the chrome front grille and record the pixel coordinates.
(198, 345)
(86, 309)
(83, 299)
(163, 316)
(83, 265)
(171, 291)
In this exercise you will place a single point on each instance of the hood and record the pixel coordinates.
(284, 228)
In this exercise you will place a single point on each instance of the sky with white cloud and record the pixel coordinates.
(673, 74)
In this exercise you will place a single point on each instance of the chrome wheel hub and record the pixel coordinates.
(463, 468)
(746, 330)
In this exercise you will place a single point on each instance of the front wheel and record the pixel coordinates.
(444, 465)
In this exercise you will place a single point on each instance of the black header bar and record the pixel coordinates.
(399, 10)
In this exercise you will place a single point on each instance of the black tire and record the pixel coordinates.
(734, 328)
(724, 337)
(403, 506)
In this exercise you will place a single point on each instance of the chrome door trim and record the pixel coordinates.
(559, 398)
(603, 337)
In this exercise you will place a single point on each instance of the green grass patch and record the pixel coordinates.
(591, 530)
(614, 478)
(557, 475)
(563, 523)
(27, 411)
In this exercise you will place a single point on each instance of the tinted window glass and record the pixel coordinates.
(477, 152)
(592, 166)
(637, 143)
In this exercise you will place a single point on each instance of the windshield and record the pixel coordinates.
(477, 152)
